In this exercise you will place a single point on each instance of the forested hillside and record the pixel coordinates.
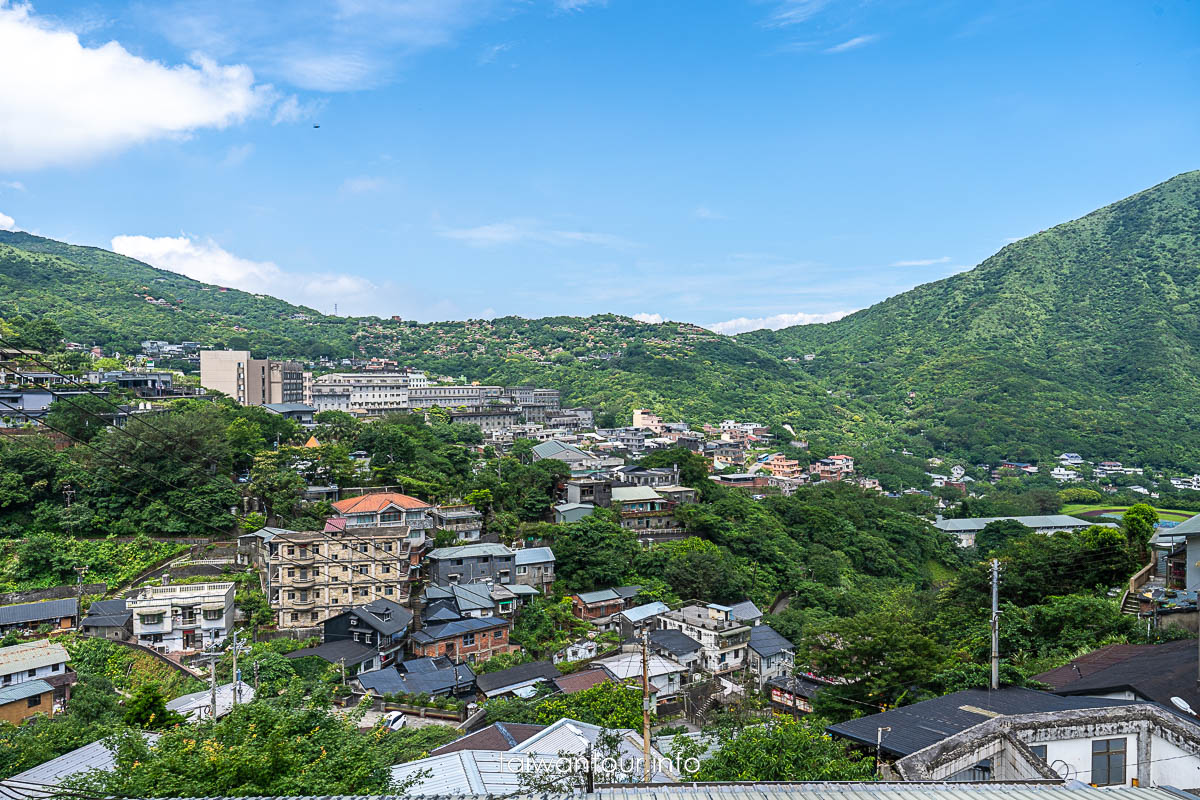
(609, 362)
(1084, 337)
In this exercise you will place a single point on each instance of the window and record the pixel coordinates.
(36, 700)
(291, 573)
(315, 616)
(32, 673)
(152, 619)
(1108, 762)
(389, 516)
(291, 551)
(1039, 750)
(213, 613)
(54, 667)
(522, 570)
(387, 590)
(295, 616)
(468, 639)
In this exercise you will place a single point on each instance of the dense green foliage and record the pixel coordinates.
(786, 749)
(1084, 337)
(609, 705)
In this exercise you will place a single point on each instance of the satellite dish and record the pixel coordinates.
(1182, 705)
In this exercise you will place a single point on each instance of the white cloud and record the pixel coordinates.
(362, 184)
(529, 231)
(704, 212)
(205, 260)
(7, 223)
(292, 109)
(921, 262)
(61, 102)
(237, 154)
(853, 44)
(322, 45)
(492, 52)
(651, 319)
(16, 186)
(793, 12)
(743, 324)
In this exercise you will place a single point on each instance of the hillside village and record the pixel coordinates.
(481, 615)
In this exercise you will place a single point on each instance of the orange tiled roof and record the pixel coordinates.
(312, 442)
(370, 503)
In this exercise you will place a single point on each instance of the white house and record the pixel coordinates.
(184, 616)
(1064, 475)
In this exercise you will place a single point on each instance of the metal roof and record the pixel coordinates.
(38, 612)
(641, 613)
(919, 725)
(633, 494)
(673, 641)
(504, 680)
(444, 630)
(1036, 521)
(24, 689)
(765, 641)
(433, 681)
(335, 652)
(471, 551)
(598, 596)
(56, 771)
(31, 655)
(534, 555)
(745, 611)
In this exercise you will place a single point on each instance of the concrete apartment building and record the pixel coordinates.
(251, 381)
(185, 616)
(314, 575)
(372, 393)
(724, 641)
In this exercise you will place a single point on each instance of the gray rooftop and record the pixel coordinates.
(38, 612)
(534, 555)
(976, 524)
(471, 551)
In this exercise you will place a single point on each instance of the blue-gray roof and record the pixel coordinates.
(445, 630)
(922, 724)
(641, 613)
(598, 596)
(674, 642)
(534, 555)
(456, 677)
(337, 651)
(38, 612)
(24, 689)
(765, 641)
(108, 614)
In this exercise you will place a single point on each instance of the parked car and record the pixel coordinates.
(395, 720)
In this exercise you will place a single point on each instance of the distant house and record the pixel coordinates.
(771, 655)
(746, 612)
(635, 475)
(436, 677)
(571, 512)
(534, 567)
(461, 519)
(666, 676)
(471, 640)
(569, 454)
(724, 640)
(1151, 672)
(965, 529)
(741, 480)
(109, 619)
(677, 646)
(354, 656)
(1070, 459)
(185, 616)
(298, 412)
(582, 680)
(385, 509)
(61, 614)
(471, 562)
(43, 665)
(794, 693)
(603, 603)
(577, 651)
(380, 625)
(638, 618)
(642, 509)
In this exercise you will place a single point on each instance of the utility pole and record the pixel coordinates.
(212, 684)
(995, 623)
(68, 493)
(256, 679)
(646, 771)
(879, 748)
(236, 679)
(342, 662)
(81, 571)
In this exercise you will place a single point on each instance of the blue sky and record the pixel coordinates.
(734, 164)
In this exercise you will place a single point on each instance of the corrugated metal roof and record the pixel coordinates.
(24, 689)
(766, 641)
(534, 555)
(31, 655)
(640, 613)
(39, 611)
(471, 551)
(57, 770)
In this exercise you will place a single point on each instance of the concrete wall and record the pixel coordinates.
(53, 593)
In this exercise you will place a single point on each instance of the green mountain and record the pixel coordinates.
(608, 362)
(1084, 337)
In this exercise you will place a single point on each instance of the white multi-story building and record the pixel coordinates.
(723, 639)
(185, 616)
(374, 393)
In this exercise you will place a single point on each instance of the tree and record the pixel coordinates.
(1138, 523)
(785, 749)
(264, 749)
(80, 417)
(997, 534)
(42, 334)
(693, 467)
(1078, 494)
(148, 709)
(608, 704)
(594, 552)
